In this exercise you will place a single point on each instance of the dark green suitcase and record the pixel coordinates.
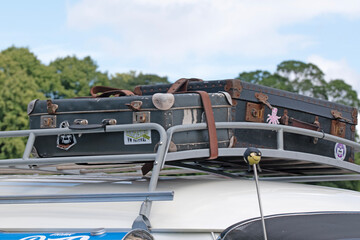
(254, 103)
(185, 109)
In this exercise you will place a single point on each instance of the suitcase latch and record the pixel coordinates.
(48, 121)
(338, 115)
(338, 128)
(264, 99)
(51, 107)
(141, 117)
(81, 122)
(135, 105)
(254, 112)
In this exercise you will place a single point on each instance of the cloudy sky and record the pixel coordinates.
(209, 39)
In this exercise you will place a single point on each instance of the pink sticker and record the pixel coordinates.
(273, 118)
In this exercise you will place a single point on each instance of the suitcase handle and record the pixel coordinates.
(109, 91)
(181, 85)
(286, 120)
(104, 123)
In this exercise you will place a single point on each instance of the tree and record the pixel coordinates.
(24, 78)
(19, 85)
(306, 79)
(76, 76)
(267, 79)
(341, 92)
(131, 80)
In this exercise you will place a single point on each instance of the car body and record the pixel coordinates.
(201, 208)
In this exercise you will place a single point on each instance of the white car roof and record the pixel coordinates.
(198, 203)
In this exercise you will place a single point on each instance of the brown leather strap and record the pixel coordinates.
(109, 91)
(301, 124)
(290, 121)
(181, 85)
(209, 114)
(147, 167)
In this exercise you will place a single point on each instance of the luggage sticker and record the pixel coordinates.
(273, 118)
(340, 151)
(137, 137)
(65, 141)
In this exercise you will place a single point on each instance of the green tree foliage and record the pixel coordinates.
(267, 79)
(306, 79)
(24, 78)
(339, 91)
(76, 76)
(130, 80)
(19, 85)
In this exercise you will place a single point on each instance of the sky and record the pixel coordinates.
(208, 39)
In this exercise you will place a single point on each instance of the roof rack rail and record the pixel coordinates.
(309, 163)
(142, 221)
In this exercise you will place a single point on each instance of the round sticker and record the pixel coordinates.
(340, 151)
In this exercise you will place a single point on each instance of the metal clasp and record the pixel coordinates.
(263, 98)
(48, 121)
(141, 117)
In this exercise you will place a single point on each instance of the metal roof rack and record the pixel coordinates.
(35, 163)
(277, 164)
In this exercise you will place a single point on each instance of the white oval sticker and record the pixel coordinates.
(340, 151)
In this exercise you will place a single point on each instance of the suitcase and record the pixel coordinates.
(178, 109)
(256, 103)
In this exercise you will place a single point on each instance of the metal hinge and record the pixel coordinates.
(51, 107)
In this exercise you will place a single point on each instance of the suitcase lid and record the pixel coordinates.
(123, 103)
(278, 98)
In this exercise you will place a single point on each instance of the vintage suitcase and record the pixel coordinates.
(255, 103)
(174, 110)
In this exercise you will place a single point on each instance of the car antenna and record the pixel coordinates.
(252, 157)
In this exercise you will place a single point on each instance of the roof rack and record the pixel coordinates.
(290, 165)
(142, 221)
(277, 164)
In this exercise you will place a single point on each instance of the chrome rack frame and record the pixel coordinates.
(142, 221)
(172, 158)
(272, 153)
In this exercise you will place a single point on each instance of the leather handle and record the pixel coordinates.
(109, 91)
(104, 123)
(209, 114)
(181, 85)
(290, 121)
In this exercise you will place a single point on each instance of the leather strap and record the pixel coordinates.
(109, 91)
(290, 121)
(147, 167)
(181, 85)
(213, 141)
(301, 124)
(209, 114)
